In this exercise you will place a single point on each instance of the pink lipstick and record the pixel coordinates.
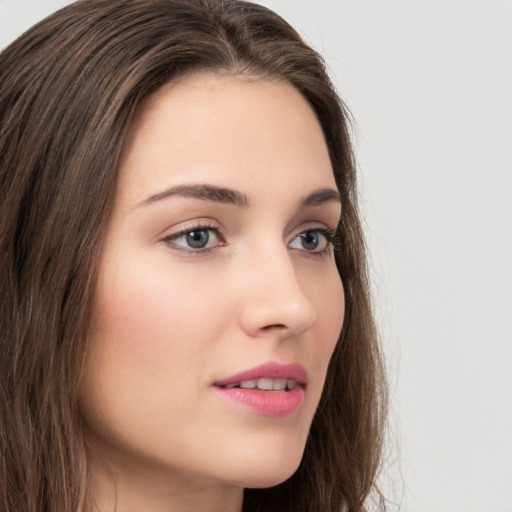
(272, 389)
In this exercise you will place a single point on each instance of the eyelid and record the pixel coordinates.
(306, 227)
(191, 225)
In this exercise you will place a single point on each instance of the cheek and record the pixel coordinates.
(329, 296)
(139, 342)
(130, 325)
(148, 315)
(335, 311)
(333, 325)
(146, 340)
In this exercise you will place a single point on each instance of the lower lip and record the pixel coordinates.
(267, 403)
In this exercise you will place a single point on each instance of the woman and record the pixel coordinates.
(185, 309)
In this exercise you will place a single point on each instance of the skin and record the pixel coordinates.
(171, 320)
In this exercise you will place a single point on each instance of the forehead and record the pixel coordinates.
(216, 128)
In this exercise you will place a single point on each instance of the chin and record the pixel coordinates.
(269, 479)
(268, 469)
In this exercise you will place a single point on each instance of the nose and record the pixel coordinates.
(274, 300)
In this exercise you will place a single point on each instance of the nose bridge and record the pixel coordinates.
(274, 298)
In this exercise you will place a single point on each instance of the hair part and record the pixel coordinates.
(70, 88)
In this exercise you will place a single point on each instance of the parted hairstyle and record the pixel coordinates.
(69, 88)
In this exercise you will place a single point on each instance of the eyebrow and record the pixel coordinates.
(229, 196)
(320, 197)
(203, 192)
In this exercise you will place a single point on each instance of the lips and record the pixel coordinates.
(266, 372)
(264, 384)
(272, 389)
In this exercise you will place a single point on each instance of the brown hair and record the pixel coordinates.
(69, 89)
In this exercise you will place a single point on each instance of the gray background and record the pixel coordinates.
(430, 86)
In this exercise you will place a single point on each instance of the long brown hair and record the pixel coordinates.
(69, 88)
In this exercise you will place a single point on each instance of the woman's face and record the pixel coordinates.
(217, 283)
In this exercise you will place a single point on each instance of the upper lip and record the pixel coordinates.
(271, 370)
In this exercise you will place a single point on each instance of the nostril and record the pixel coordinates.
(273, 326)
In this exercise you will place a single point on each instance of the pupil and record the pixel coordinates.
(197, 239)
(310, 241)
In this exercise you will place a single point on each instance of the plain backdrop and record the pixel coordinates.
(430, 86)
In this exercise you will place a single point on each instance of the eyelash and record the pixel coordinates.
(331, 237)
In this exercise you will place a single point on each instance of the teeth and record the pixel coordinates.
(265, 384)
(279, 384)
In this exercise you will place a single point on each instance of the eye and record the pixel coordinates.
(195, 239)
(315, 241)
